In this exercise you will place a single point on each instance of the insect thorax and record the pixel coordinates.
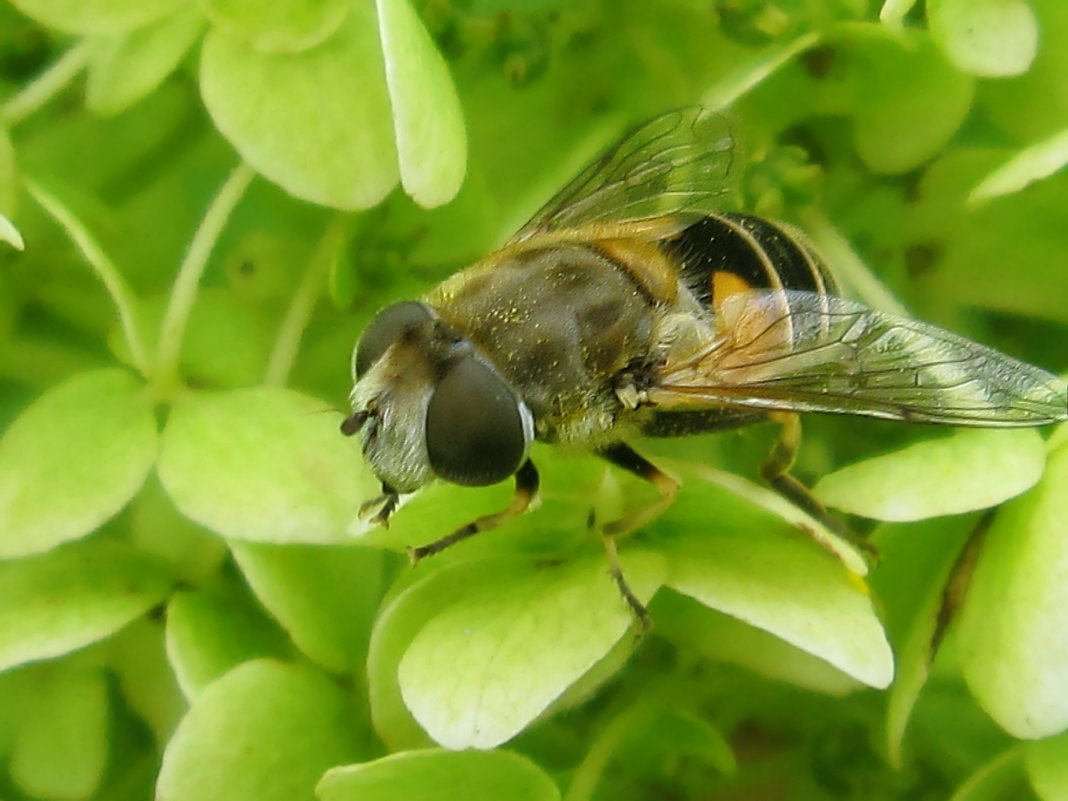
(561, 324)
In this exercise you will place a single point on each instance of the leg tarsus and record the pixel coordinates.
(379, 509)
(623, 456)
(526, 488)
(615, 570)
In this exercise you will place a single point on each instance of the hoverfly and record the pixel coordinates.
(633, 305)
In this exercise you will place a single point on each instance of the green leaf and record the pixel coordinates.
(266, 731)
(435, 774)
(1031, 164)
(60, 601)
(1013, 642)
(721, 638)
(138, 658)
(428, 120)
(61, 749)
(156, 527)
(325, 597)
(99, 16)
(743, 78)
(488, 665)
(266, 465)
(316, 123)
(1034, 105)
(281, 26)
(993, 38)
(909, 99)
(207, 635)
(939, 476)
(1047, 765)
(73, 459)
(744, 561)
(398, 624)
(910, 581)
(125, 67)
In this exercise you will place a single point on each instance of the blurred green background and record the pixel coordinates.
(201, 205)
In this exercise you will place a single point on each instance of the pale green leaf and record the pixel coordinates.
(742, 560)
(910, 581)
(73, 459)
(263, 464)
(99, 16)
(61, 749)
(894, 12)
(994, 38)
(744, 77)
(138, 659)
(74, 595)
(1031, 164)
(436, 774)
(125, 67)
(721, 638)
(316, 123)
(965, 471)
(207, 635)
(157, 527)
(398, 624)
(909, 101)
(10, 234)
(490, 663)
(427, 118)
(1047, 765)
(1013, 644)
(325, 597)
(281, 26)
(266, 731)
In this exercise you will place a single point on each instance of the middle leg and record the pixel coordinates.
(628, 459)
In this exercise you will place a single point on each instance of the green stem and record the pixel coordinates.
(117, 288)
(46, 86)
(588, 773)
(172, 329)
(290, 332)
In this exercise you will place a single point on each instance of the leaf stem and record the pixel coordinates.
(109, 275)
(588, 773)
(290, 332)
(46, 86)
(172, 329)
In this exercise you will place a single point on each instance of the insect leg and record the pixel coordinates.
(627, 458)
(380, 508)
(526, 487)
(776, 472)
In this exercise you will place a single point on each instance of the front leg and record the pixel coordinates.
(526, 488)
(379, 509)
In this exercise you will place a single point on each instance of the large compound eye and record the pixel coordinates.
(477, 430)
(384, 330)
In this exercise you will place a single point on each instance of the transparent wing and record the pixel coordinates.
(681, 161)
(799, 351)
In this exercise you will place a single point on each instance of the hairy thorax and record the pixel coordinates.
(563, 325)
